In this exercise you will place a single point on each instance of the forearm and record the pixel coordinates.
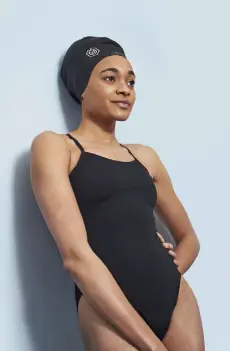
(105, 296)
(187, 251)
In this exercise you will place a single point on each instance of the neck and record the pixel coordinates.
(97, 131)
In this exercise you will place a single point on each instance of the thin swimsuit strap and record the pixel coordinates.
(76, 142)
(83, 150)
(130, 152)
(137, 160)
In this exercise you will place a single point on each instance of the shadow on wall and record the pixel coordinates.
(71, 110)
(47, 290)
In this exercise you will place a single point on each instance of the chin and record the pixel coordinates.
(120, 115)
(122, 118)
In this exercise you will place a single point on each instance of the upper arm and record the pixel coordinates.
(49, 163)
(168, 205)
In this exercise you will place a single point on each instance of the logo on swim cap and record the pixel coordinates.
(92, 52)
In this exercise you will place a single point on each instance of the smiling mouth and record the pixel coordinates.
(123, 105)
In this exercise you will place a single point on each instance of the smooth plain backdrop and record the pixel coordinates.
(180, 52)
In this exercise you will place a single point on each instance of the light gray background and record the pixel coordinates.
(180, 52)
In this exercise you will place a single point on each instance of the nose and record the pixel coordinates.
(123, 89)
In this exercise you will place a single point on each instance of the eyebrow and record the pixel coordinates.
(115, 70)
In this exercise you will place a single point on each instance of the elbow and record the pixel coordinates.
(74, 267)
(73, 261)
(196, 244)
(70, 264)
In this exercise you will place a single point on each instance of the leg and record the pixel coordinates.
(185, 332)
(97, 334)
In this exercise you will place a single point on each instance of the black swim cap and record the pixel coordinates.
(81, 58)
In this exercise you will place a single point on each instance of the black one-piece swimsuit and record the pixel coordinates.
(116, 200)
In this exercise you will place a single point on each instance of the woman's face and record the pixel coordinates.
(110, 92)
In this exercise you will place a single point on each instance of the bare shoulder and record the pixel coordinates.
(47, 138)
(142, 150)
(50, 148)
(147, 156)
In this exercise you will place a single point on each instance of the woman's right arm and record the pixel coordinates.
(49, 172)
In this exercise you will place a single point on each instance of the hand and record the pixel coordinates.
(168, 246)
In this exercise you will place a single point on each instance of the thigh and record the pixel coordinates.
(185, 332)
(96, 333)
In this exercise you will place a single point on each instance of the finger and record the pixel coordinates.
(168, 245)
(161, 237)
(172, 253)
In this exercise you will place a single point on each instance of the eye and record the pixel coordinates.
(132, 83)
(110, 79)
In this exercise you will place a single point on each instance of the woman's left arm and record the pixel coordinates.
(171, 211)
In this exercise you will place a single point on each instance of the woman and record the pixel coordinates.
(97, 197)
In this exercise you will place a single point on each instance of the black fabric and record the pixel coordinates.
(116, 200)
(81, 58)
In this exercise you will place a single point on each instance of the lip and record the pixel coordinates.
(122, 103)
